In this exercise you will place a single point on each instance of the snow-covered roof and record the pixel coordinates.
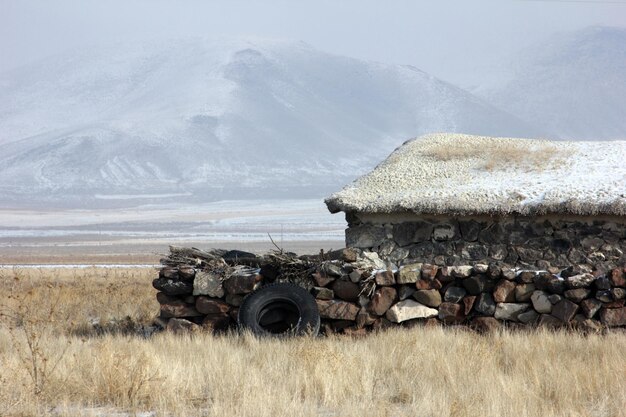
(463, 175)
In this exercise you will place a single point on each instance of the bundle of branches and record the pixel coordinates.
(288, 267)
(191, 256)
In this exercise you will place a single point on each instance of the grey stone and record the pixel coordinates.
(477, 284)
(398, 254)
(579, 281)
(173, 286)
(590, 307)
(409, 274)
(406, 291)
(355, 276)
(181, 326)
(527, 254)
(541, 303)
(454, 294)
(412, 232)
(430, 298)
(577, 295)
(604, 296)
(481, 268)
(484, 304)
(332, 269)
(529, 316)
(618, 293)
(498, 252)
(470, 229)
(510, 311)
(493, 234)
(409, 309)
(554, 298)
(235, 300)
(523, 292)
(323, 293)
(337, 310)
(475, 251)
(207, 283)
(365, 236)
(443, 232)
(564, 310)
(386, 248)
(591, 244)
(461, 271)
(602, 283)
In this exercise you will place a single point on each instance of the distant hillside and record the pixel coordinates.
(572, 86)
(215, 119)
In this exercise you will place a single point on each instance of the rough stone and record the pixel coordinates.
(186, 273)
(169, 272)
(498, 252)
(451, 313)
(332, 269)
(504, 292)
(322, 293)
(410, 273)
(577, 295)
(412, 232)
(579, 281)
(207, 305)
(468, 303)
(444, 232)
(495, 272)
(365, 236)
(618, 278)
(346, 290)
(423, 284)
(485, 304)
(602, 283)
(337, 310)
(179, 309)
(454, 294)
(430, 298)
(364, 318)
(163, 298)
(604, 296)
(474, 251)
(510, 311)
(618, 293)
(173, 287)
(409, 309)
(590, 307)
(485, 324)
(405, 291)
(481, 268)
(526, 277)
(477, 284)
(207, 283)
(461, 271)
(541, 303)
(613, 317)
(523, 292)
(385, 278)
(381, 301)
(554, 298)
(178, 326)
(564, 310)
(429, 272)
(242, 284)
(469, 230)
(321, 278)
(529, 316)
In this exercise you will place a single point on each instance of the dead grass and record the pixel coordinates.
(500, 155)
(416, 372)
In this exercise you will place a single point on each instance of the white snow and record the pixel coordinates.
(452, 173)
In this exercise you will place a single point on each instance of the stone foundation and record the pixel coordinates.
(356, 291)
(532, 243)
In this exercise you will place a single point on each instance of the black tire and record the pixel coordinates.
(280, 309)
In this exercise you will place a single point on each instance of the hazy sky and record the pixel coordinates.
(452, 39)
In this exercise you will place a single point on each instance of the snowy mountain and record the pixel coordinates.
(572, 86)
(215, 119)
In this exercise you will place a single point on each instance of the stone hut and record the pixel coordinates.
(452, 199)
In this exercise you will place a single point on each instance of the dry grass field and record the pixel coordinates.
(55, 362)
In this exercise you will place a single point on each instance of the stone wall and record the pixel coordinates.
(356, 292)
(532, 243)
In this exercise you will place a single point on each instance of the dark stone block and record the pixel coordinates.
(477, 284)
(493, 234)
(564, 310)
(475, 251)
(365, 236)
(470, 229)
(412, 232)
(485, 304)
(346, 290)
